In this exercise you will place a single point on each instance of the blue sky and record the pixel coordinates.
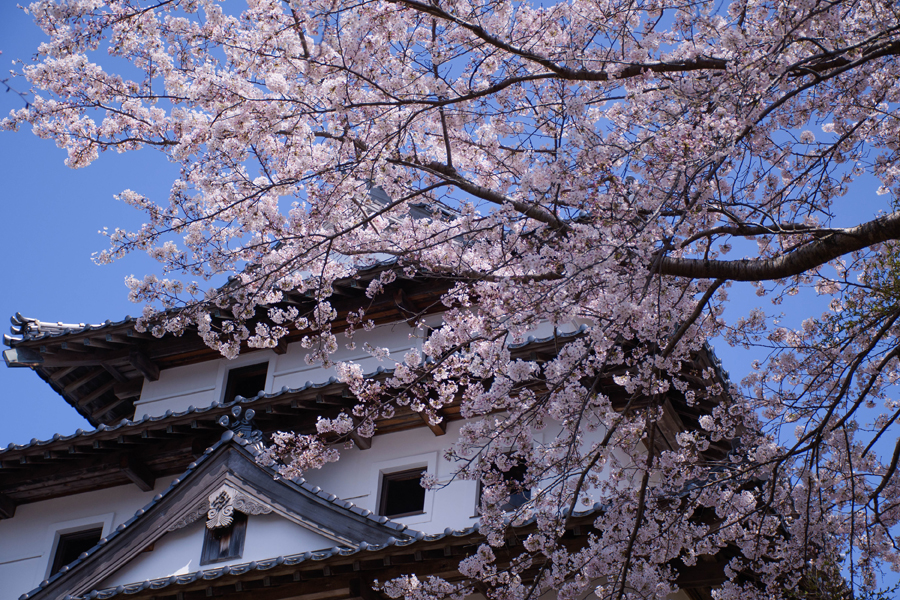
(50, 216)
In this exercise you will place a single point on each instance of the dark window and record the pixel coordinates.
(225, 543)
(246, 381)
(402, 493)
(71, 545)
(514, 478)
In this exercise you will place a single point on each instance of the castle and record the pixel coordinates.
(165, 499)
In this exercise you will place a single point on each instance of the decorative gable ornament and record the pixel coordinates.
(224, 501)
(219, 508)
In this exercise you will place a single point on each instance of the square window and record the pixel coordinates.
(514, 479)
(402, 493)
(246, 382)
(71, 545)
(224, 543)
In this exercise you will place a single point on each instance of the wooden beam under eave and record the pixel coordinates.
(344, 291)
(138, 335)
(405, 304)
(113, 338)
(438, 428)
(137, 472)
(703, 573)
(91, 396)
(669, 426)
(57, 375)
(98, 343)
(363, 443)
(332, 400)
(130, 388)
(84, 379)
(116, 373)
(74, 347)
(142, 363)
(24, 357)
(362, 590)
(99, 412)
(7, 507)
(281, 347)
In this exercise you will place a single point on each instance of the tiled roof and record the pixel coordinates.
(227, 437)
(28, 329)
(125, 424)
(32, 329)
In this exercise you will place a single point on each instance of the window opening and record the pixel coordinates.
(402, 493)
(71, 545)
(225, 543)
(246, 382)
(514, 479)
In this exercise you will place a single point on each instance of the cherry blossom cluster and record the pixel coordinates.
(609, 167)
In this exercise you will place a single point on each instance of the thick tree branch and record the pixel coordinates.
(803, 260)
(748, 230)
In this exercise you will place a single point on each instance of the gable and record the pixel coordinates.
(226, 479)
(179, 552)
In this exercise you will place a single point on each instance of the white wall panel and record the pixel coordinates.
(178, 552)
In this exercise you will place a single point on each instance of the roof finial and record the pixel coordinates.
(243, 426)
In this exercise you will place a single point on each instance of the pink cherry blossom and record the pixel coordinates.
(604, 164)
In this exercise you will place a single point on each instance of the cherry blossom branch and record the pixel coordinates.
(451, 175)
(816, 253)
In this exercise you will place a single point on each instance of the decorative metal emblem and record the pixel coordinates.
(221, 507)
(224, 501)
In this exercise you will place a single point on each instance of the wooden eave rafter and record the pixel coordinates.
(7, 507)
(136, 471)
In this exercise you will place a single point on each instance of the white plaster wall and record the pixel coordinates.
(18, 576)
(178, 552)
(27, 540)
(291, 370)
(178, 388)
(202, 384)
(357, 475)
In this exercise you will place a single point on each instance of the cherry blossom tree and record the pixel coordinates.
(615, 163)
